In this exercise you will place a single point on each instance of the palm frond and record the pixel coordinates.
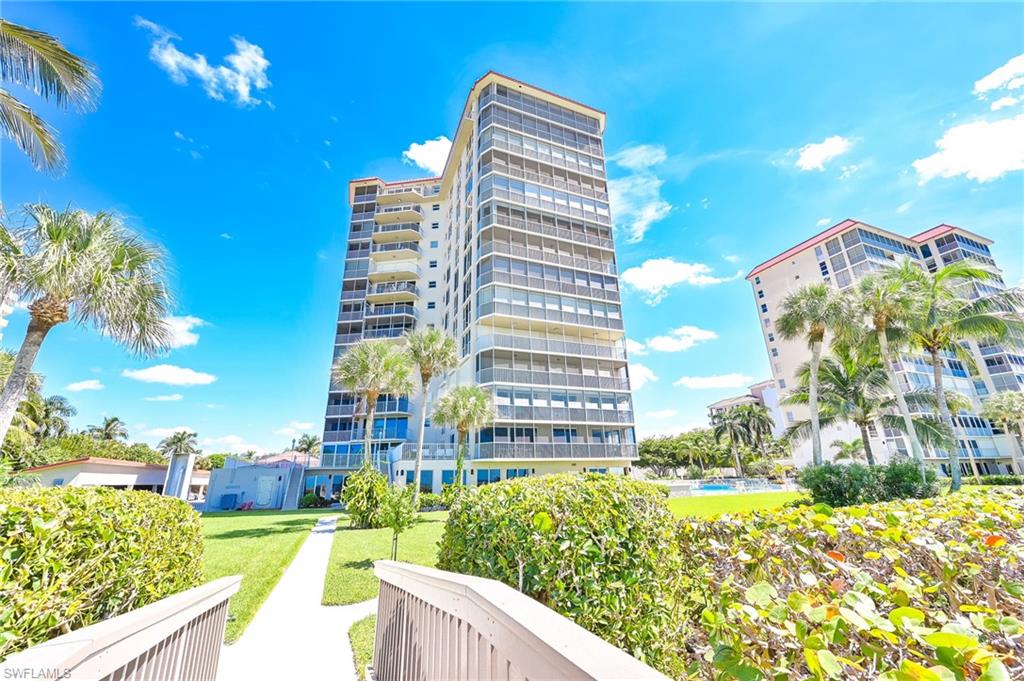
(31, 134)
(41, 63)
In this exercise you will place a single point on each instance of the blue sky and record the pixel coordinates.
(736, 131)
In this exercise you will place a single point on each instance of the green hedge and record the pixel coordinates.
(72, 556)
(596, 548)
(997, 480)
(854, 483)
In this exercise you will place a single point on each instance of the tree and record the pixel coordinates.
(886, 300)
(944, 316)
(398, 513)
(181, 443)
(730, 425)
(758, 423)
(208, 463)
(700, 447)
(1007, 410)
(92, 270)
(112, 428)
(809, 313)
(432, 352)
(40, 63)
(661, 454)
(56, 410)
(465, 408)
(848, 451)
(25, 423)
(372, 368)
(308, 445)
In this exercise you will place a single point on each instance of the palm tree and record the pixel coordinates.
(308, 445)
(56, 410)
(372, 368)
(758, 423)
(848, 451)
(10, 257)
(90, 269)
(40, 63)
(945, 316)
(112, 428)
(433, 353)
(809, 313)
(731, 426)
(1007, 409)
(181, 443)
(465, 408)
(854, 388)
(886, 300)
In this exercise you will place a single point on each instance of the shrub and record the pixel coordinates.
(855, 483)
(925, 589)
(1001, 480)
(431, 502)
(397, 514)
(596, 548)
(694, 473)
(73, 556)
(310, 500)
(363, 495)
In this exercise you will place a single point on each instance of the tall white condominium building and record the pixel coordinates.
(840, 256)
(510, 251)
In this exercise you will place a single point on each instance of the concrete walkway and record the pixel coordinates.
(292, 636)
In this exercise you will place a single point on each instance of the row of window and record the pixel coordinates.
(548, 301)
(542, 197)
(560, 399)
(538, 270)
(566, 158)
(559, 435)
(530, 125)
(539, 107)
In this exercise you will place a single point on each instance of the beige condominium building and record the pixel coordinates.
(510, 252)
(840, 256)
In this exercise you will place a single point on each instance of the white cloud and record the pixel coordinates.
(170, 375)
(903, 208)
(294, 428)
(848, 171)
(641, 156)
(654, 277)
(980, 150)
(226, 236)
(182, 334)
(164, 398)
(1004, 102)
(635, 347)
(1009, 76)
(683, 338)
(731, 259)
(815, 156)
(235, 444)
(167, 432)
(640, 375)
(327, 164)
(244, 70)
(181, 136)
(429, 155)
(79, 386)
(713, 382)
(823, 222)
(635, 199)
(662, 413)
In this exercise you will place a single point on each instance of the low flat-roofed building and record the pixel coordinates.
(93, 471)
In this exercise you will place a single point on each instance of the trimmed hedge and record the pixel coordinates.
(597, 548)
(998, 480)
(72, 556)
(919, 590)
(855, 483)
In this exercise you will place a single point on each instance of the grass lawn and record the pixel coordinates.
(361, 637)
(258, 545)
(729, 503)
(350, 577)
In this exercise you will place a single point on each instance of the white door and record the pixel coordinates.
(265, 490)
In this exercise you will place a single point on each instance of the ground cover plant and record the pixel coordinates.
(72, 556)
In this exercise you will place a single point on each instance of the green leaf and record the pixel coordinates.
(829, 664)
(995, 671)
(542, 522)
(761, 594)
(948, 639)
(900, 616)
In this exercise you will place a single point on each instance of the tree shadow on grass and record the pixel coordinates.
(282, 527)
(365, 564)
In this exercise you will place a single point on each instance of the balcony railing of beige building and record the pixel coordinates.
(515, 250)
(550, 345)
(552, 378)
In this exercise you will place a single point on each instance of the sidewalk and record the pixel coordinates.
(292, 636)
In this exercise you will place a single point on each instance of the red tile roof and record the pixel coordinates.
(804, 245)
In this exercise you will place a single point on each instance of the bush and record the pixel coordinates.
(363, 495)
(596, 548)
(310, 500)
(924, 589)
(855, 483)
(73, 556)
(694, 473)
(759, 468)
(1001, 480)
(431, 502)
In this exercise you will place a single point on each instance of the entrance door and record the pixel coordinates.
(265, 490)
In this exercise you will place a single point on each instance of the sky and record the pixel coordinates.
(227, 134)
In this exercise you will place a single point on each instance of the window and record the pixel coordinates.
(436, 206)
(764, 307)
(431, 305)
(447, 477)
(433, 264)
(757, 280)
(775, 352)
(782, 384)
(771, 337)
(485, 476)
(431, 284)
(789, 417)
(760, 294)
(511, 473)
(435, 225)
(433, 244)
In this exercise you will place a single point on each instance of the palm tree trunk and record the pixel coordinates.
(461, 457)
(1018, 459)
(866, 439)
(419, 444)
(812, 402)
(736, 458)
(14, 390)
(947, 418)
(371, 413)
(901, 402)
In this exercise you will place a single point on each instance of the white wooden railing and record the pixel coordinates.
(435, 625)
(177, 638)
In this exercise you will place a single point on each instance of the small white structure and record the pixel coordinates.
(264, 485)
(179, 473)
(93, 471)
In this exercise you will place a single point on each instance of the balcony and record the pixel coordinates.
(553, 450)
(404, 212)
(389, 196)
(545, 320)
(394, 251)
(392, 310)
(508, 412)
(398, 231)
(552, 346)
(399, 292)
(399, 270)
(551, 378)
(387, 333)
